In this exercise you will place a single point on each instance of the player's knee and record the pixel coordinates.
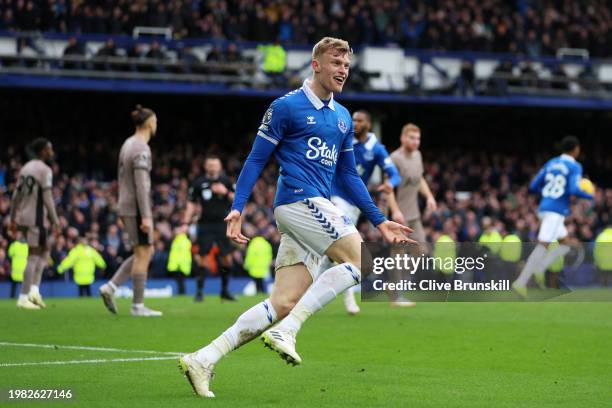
(283, 305)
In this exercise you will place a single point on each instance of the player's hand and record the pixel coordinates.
(234, 227)
(219, 188)
(57, 230)
(431, 204)
(385, 187)
(398, 217)
(395, 233)
(146, 224)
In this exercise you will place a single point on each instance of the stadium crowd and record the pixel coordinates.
(532, 27)
(471, 189)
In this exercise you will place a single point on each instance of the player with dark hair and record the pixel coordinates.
(557, 181)
(215, 192)
(135, 210)
(369, 153)
(32, 210)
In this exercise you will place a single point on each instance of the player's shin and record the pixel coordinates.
(331, 283)
(248, 326)
(552, 255)
(532, 265)
(28, 275)
(123, 273)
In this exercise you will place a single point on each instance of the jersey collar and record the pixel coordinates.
(567, 157)
(370, 141)
(314, 99)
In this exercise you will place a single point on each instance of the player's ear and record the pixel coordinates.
(316, 67)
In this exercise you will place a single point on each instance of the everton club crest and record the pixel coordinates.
(342, 125)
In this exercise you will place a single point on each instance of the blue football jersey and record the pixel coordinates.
(309, 134)
(557, 181)
(368, 155)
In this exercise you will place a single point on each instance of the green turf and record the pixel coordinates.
(435, 355)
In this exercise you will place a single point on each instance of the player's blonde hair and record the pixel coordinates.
(329, 43)
(411, 127)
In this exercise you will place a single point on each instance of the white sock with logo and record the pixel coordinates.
(533, 265)
(248, 326)
(325, 289)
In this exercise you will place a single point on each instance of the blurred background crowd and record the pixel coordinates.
(472, 189)
(532, 27)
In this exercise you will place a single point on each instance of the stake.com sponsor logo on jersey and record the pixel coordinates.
(319, 149)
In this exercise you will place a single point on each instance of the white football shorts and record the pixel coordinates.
(552, 226)
(307, 229)
(346, 208)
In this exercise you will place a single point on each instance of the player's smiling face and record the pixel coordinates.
(332, 70)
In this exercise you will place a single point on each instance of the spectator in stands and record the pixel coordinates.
(534, 27)
(107, 51)
(73, 49)
(189, 60)
(466, 81)
(274, 62)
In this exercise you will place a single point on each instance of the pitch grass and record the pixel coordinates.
(435, 355)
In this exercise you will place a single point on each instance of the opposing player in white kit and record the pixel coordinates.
(369, 153)
(32, 213)
(557, 181)
(311, 136)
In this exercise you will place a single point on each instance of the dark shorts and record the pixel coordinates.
(210, 234)
(135, 234)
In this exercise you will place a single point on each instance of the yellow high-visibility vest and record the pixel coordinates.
(179, 259)
(83, 260)
(510, 250)
(258, 258)
(274, 58)
(491, 240)
(18, 252)
(602, 253)
(557, 265)
(445, 251)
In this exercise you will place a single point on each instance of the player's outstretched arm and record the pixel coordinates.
(254, 164)
(574, 186)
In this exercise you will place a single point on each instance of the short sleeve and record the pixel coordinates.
(275, 122)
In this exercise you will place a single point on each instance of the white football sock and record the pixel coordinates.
(325, 289)
(552, 255)
(325, 264)
(533, 265)
(34, 290)
(248, 326)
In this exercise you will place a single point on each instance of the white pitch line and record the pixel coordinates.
(96, 361)
(60, 347)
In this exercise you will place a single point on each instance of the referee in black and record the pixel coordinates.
(215, 193)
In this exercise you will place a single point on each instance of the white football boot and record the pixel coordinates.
(199, 374)
(144, 311)
(108, 296)
(283, 342)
